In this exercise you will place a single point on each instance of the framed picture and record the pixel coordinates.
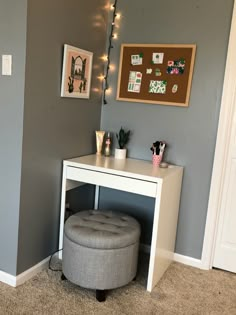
(156, 73)
(76, 72)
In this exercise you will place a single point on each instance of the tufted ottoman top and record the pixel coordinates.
(102, 229)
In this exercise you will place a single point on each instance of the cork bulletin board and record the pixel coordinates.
(157, 74)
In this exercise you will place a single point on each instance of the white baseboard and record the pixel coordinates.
(15, 281)
(186, 260)
(7, 278)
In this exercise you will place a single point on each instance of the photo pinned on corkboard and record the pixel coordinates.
(76, 72)
(156, 73)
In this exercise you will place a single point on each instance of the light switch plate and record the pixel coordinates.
(6, 64)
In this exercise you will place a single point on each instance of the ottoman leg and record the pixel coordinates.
(63, 277)
(100, 295)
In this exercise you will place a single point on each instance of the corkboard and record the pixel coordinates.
(166, 76)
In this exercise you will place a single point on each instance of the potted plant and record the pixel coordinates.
(123, 139)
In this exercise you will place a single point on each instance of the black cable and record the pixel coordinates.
(106, 84)
(70, 212)
(49, 264)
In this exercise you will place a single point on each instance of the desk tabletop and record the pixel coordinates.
(129, 167)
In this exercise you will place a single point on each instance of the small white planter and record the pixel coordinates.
(120, 154)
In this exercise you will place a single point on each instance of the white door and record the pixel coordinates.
(225, 247)
(219, 247)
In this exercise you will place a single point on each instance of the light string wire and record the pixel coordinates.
(110, 46)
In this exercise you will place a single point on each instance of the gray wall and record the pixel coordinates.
(55, 128)
(12, 41)
(190, 132)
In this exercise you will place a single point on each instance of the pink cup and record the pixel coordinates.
(156, 159)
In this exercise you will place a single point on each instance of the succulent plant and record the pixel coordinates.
(71, 85)
(123, 137)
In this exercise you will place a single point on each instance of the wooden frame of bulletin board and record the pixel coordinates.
(156, 74)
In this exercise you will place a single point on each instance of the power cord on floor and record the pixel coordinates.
(68, 213)
(50, 260)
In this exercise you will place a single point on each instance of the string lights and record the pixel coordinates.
(112, 36)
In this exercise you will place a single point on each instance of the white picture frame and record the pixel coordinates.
(76, 72)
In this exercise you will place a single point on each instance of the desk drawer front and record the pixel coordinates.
(128, 184)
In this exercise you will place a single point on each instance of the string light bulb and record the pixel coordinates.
(101, 77)
(112, 67)
(106, 88)
(104, 57)
(109, 90)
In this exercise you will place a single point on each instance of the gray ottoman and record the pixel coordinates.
(100, 250)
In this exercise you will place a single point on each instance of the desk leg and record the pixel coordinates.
(152, 261)
(62, 217)
(164, 228)
(96, 197)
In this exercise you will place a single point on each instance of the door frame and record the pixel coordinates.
(228, 103)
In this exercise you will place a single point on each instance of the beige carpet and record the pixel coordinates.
(182, 290)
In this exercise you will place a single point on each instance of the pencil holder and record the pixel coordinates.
(156, 159)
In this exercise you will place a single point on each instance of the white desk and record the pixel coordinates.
(139, 177)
